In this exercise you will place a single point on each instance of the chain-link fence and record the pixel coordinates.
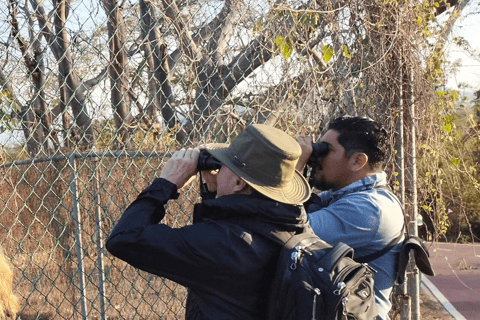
(96, 94)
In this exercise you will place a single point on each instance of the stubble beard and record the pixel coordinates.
(319, 183)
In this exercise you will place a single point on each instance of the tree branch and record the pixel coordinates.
(187, 43)
(256, 53)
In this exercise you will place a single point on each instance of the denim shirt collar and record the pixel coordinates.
(328, 197)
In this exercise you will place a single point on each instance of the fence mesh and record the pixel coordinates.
(95, 95)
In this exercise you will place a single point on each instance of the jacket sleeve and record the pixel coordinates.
(147, 209)
(138, 238)
(196, 256)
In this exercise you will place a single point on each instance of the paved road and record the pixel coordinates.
(457, 276)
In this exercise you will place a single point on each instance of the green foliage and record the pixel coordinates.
(327, 52)
(436, 60)
(285, 46)
(345, 52)
(448, 165)
(303, 24)
(307, 19)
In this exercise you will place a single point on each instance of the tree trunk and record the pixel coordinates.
(156, 55)
(118, 70)
(36, 125)
(59, 44)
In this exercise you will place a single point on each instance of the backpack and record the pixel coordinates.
(314, 280)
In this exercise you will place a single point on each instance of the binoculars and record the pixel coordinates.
(206, 162)
(320, 150)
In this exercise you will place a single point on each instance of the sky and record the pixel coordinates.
(467, 27)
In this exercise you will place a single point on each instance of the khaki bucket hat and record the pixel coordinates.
(265, 157)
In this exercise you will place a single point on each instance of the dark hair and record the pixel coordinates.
(358, 134)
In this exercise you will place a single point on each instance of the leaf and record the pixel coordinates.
(327, 52)
(454, 95)
(345, 52)
(455, 161)
(448, 127)
(285, 48)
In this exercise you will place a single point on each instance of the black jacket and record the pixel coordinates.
(226, 266)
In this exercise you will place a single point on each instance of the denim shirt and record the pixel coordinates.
(367, 219)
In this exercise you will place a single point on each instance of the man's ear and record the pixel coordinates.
(240, 185)
(358, 161)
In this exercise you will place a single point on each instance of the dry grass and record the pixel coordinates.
(37, 231)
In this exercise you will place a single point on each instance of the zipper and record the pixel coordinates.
(296, 255)
(341, 287)
(355, 280)
(344, 304)
(316, 294)
(370, 267)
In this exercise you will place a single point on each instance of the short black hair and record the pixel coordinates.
(361, 134)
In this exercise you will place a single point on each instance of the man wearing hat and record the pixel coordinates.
(226, 266)
(357, 208)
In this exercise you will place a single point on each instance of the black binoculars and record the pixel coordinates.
(320, 150)
(206, 162)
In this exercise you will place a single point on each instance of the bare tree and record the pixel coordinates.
(72, 94)
(38, 115)
(193, 65)
(35, 118)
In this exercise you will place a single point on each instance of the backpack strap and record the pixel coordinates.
(339, 251)
(410, 242)
(377, 254)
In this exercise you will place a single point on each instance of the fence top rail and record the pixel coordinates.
(86, 155)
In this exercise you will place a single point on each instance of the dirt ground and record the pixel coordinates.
(431, 308)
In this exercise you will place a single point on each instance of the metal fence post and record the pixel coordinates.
(414, 278)
(406, 307)
(99, 238)
(78, 235)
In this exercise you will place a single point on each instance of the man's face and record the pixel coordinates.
(226, 182)
(333, 170)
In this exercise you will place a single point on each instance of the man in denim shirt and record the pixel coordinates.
(356, 210)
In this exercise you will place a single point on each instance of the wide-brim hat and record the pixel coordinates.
(265, 157)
